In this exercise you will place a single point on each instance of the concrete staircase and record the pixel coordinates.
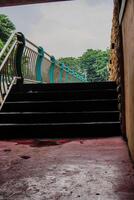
(72, 110)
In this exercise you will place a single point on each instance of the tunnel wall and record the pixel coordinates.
(122, 64)
(127, 26)
(116, 68)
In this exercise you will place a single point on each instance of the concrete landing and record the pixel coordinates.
(98, 169)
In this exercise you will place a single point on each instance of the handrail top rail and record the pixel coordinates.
(37, 47)
(7, 43)
(8, 54)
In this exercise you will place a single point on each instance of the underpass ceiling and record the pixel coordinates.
(24, 2)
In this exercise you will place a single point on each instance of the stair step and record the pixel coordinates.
(62, 95)
(63, 117)
(60, 130)
(61, 106)
(66, 86)
(70, 110)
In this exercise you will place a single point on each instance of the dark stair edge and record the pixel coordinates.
(60, 131)
(71, 86)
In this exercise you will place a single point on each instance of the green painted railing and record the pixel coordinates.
(23, 61)
(40, 66)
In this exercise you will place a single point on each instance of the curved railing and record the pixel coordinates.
(40, 66)
(22, 61)
(9, 74)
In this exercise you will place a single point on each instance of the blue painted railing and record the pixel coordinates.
(47, 68)
(33, 63)
(22, 61)
(39, 63)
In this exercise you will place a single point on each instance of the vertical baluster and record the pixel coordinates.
(33, 64)
(6, 73)
(24, 61)
(12, 69)
(28, 64)
(0, 90)
(35, 60)
(33, 70)
(3, 84)
(9, 66)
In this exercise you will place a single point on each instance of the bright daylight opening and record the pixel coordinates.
(77, 32)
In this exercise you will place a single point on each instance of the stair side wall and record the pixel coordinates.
(127, 26)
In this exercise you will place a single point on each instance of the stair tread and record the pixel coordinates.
(69, 84)
(59, 101)
(65, 91)
(58, 113)
(57, 124)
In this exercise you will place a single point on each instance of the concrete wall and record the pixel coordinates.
(116, 69)
(128, 49)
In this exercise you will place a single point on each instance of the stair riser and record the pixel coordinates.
(65, 131)
(66, 86)
(53, 118)
(62, 95)
(61, 106)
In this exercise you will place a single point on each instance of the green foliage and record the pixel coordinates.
(93, 63)
(72, 62)
(6, 28)
(1, 44)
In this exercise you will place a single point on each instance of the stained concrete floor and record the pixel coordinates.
(97, 169)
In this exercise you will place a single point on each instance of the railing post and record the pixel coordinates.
(18, 58)
(39, 64)
(52, 67)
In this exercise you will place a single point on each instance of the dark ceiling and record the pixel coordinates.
(24, 2)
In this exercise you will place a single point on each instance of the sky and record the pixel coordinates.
(65, 29)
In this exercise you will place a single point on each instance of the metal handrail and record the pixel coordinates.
(7, 56)
(7, 44)
(37, 47)
(8, 74)
(75, 74)
(21, 62)
(27, 61)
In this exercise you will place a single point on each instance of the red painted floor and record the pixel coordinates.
(98, 169)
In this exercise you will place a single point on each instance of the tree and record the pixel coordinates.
(6, 28)
(93, 63)
(68, 61)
